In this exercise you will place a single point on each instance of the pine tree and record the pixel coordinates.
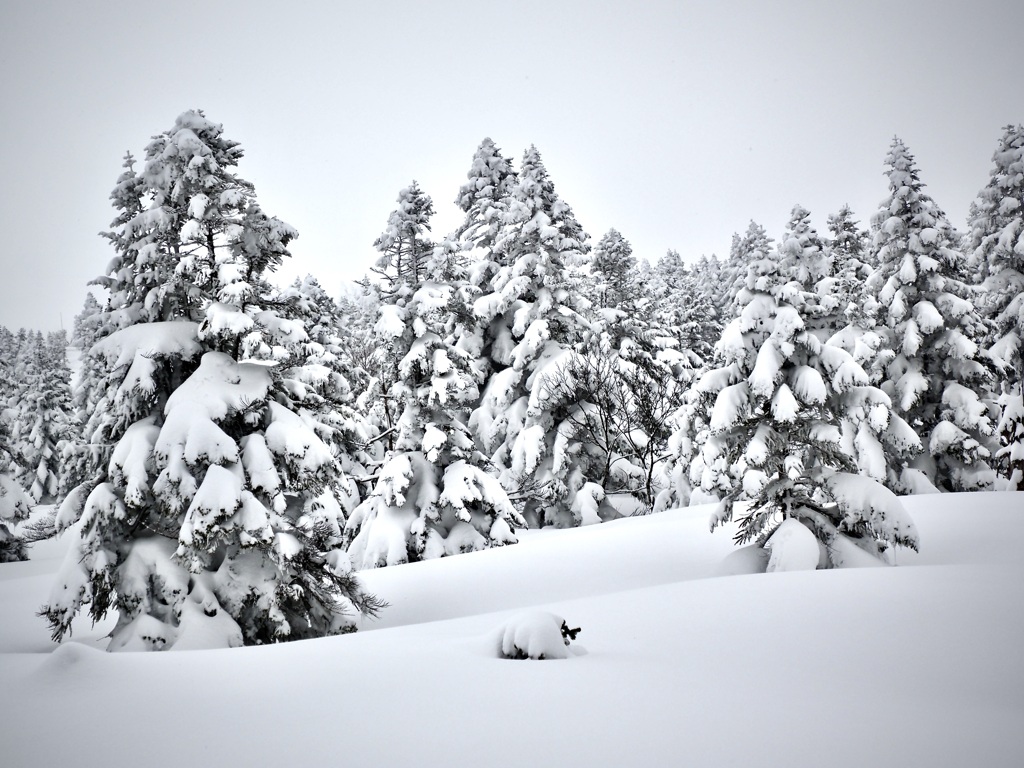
(529, 322)
(198, 516)
(809, 268)
(83, 333)
(484, 197)
(43, 420)
(433, 496)
(848, 249)
(752, 246)
(612, 266)
(404, 246)
(996, 246)
(15, 506)
(318, 371)
(614, 394)
(767, 427)
(933, 331)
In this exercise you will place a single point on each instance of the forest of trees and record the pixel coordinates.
(234, 452)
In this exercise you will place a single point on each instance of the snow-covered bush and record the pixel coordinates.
(537, 635)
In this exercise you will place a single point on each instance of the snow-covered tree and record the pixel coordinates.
(768, 428)
(530, 323)
(318, 370)
(404, 245)
(15, 505)
(808, 266)
(434, 495)
(753, 245)
(997, 253)
(205, 516)
(612, 266)
(484, 198)
(42, 416)
(84, 331)
(848, 249)
(937, 369)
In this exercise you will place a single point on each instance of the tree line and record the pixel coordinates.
(234, 452)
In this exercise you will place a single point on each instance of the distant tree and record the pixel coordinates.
(15, 506)
(612, 266)
(848, 248)
(84, 332)
(404, 246)
(43, 421)
(808, 266)
(753, 245)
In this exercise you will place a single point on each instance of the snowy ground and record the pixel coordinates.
(680, 662)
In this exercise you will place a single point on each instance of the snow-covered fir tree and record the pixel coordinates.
(615, 393)
(808, 267)
(753, 245)
(768, 427)
(318, 370)
(403, 245)
(15, 506)
(695, 318)
(937, 372)
(484, 198)
(530, 323)
(83, 332)
(848, 250)
(199, 521)
(997, 253)
(42, 416)
(434, 495)
(612, 264)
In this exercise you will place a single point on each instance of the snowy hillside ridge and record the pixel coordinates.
(680, 642)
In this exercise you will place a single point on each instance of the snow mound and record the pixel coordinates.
(534, 635)
(793, 548)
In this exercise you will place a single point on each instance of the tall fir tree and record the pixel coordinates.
(808, 265)
(197, 521)
(932, 329)
(996, 247)
(752, 246)
(15, 506)
(404, 246)
(612, 266)
(530, 322)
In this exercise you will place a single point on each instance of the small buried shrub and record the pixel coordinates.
(535, 635)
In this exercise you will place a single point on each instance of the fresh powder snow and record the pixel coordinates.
(678, 662)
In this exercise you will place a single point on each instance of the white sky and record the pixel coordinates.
(675, 122)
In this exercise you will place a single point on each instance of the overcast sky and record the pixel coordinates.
(674, 122)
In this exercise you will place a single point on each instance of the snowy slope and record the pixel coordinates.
(676, 665)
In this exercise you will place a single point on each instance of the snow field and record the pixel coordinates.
(913, 665)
